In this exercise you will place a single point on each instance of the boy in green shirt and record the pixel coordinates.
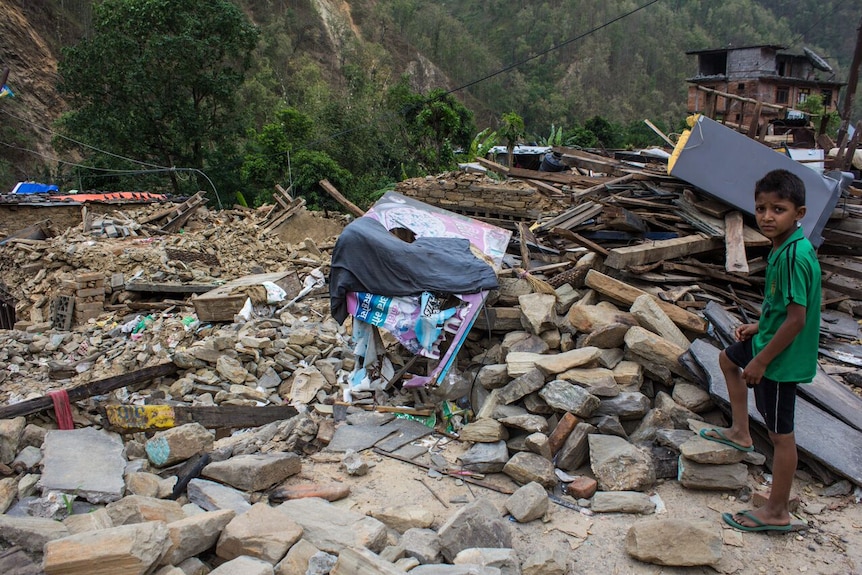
(779, 351)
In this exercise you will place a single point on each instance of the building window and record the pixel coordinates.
(740, 87)
(738, 117)
(782, 69)
(827, 98)
(803, 95)
(782, 95)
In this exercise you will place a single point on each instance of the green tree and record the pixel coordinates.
(157, 81)
(511, 130)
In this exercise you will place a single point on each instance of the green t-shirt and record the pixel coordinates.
(792, 275)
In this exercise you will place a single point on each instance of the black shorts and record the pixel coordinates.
(775, 401)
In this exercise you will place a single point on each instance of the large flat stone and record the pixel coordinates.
(262, 532)
(618, 465)
(331, 528)
(86, 462)
(254, 472)
(675, 542)
(477, 524)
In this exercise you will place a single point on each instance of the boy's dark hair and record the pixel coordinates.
(788, 186)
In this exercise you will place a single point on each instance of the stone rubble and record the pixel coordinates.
(583, 387)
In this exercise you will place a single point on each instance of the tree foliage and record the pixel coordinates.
(157, 80)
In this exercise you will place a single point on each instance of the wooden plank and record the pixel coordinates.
(734, 242)
(701, 270)
(844, 285)
(817, 432)
(157, 417)
(153, 287)
(621, 258)
(848, 267)
(493, 166)
(583, 194)
(555, 177)
(587, 161)
(525, 249)
(627, 294)
(581, 240)
(660, 134)
(564, 217)
(90, 389)
(223, 302)
(547, 189)
(338, 197)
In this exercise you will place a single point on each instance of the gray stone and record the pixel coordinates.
(142, 483)
(598, 381)
(404, 517)
(523, 341)
(194, 535)
(243, 566)
(93, 521)
(486, 457)
(31, 533)
(665, 461)
(673, 438)
(535, 404)
(493, 376)
(485, 430)
(255, 472)
(528, 502)
(422, 545)
(837, 489)
(27, 459)
(692, 397)
(566, 296)
(138, 509)
(608, 336)
(678, 414)
(627, 405)
(575, 450)
(655, 349)
(296, 560)
(525, 467)
(532, 380)
(622, 502)
(262, 532)
(331, 528)
(702, 450)
(540, 444)
(232, 369)
(527, 422)
(589, 318)
(86, 462)
(321, 563)
(193, 566)
(537, 312)
(11, 431)
(675, 542)
(477, 524)
(546, 561)
(560, 362)
(354, 464)
(609, 425)
(564, 396)
(654, 420)
(610, 358)
(618, 465)
(650, 315)
(712, 477)
(506, 560)
(126, 549)
(213, 496)
(178, 444)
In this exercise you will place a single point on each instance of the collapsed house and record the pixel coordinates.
(575, 362)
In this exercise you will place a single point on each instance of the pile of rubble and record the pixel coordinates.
(579, 392)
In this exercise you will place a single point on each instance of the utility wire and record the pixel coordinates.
(801, 35)
(53, 133)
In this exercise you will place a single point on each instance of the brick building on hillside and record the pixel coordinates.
(753, 86)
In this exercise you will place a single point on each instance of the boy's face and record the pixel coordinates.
(777, 218)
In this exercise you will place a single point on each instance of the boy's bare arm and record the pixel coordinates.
(790, 328)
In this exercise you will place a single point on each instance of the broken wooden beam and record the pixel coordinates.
(621, 258)
(621, 291)
(338, 197)
(734, 242)
(90, 389)
(129, 418)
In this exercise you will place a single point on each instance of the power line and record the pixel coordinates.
(53, 133)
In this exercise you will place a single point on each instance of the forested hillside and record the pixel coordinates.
(364, 92)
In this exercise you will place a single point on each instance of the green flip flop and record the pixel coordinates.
(758, 524)
(721, 438)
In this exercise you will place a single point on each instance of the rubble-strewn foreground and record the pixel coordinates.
(575, 450)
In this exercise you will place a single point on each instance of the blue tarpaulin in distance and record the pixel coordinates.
(34, 188)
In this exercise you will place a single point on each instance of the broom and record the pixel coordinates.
(538, 285)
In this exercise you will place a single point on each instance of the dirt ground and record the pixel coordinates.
(309, 225)
(831, 546)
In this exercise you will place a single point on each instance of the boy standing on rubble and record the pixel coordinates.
(774, 354)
